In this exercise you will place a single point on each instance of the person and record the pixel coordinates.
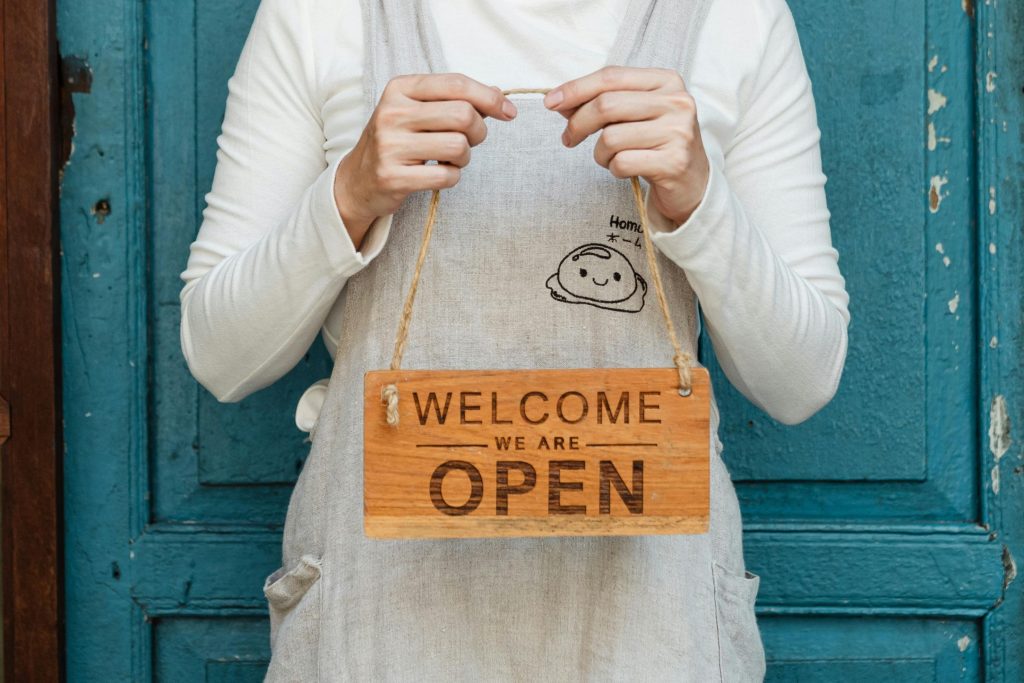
(341, 117)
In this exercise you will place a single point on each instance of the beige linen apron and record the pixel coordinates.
(502, 288)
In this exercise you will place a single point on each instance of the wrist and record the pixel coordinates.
(357, 223)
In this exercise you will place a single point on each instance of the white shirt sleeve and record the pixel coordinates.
(272, 254)
(758, 249)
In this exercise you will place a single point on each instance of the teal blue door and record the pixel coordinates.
(885, 528)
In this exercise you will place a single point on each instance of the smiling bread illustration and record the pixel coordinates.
(600, 276)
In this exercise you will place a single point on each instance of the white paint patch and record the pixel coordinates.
(993, 342)
(932, 63)
(954, 303)
(946, 261)
(991, 247)
(991, 201)
(990, 81)
(936, 101)
(995, 479)
(935, 193)
(998, 427)
(964, 643)
(934, 139)
(939, 248)
(95, 275)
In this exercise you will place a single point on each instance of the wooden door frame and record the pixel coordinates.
(30, 460)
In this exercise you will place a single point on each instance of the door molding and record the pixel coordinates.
(30, 466)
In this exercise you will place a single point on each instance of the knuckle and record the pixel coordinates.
(464, 115)
(454, 82)
(451, 176)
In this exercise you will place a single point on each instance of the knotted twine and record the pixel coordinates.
(683, 360)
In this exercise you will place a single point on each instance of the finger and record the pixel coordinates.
(612, 107)
(634, 135)
(455, 115)
(637, 162)
(489, 101)
(577, 91)
(451, 147)
(409, 179)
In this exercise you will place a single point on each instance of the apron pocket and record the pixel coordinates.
(293, 599)
(740, 651)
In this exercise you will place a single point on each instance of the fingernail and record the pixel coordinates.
(553, 98)
(509, 108)
(565, 138)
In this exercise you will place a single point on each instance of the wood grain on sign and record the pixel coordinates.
(579, 452)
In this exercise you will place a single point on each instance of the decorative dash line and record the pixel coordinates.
(621, 445)
(451, 445)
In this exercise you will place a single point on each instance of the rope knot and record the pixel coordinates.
(389, 395)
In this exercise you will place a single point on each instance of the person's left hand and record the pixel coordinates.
(649, 129)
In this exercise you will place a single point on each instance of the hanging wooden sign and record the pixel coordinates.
(536, 453)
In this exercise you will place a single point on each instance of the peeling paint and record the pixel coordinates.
(934, 139)
(954, 303)
(75, 76)
(995, 479)
(964, 643)
(998, 427)
(1009, 568)
(932, 63)
(935, 195)
(990, 81)
(936, 101)
(101, 209)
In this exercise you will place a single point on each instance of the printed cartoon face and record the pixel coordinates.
(600, 276)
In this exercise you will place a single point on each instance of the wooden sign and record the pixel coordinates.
(536, 453)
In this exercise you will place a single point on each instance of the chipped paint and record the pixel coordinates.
(75, 77)
(968, 7)
(991, 201)
(936, 101)
(1009, 568)
(964, 643)
(932, 63)
(990, 81)
(939, 248)
(946, 261)
(995, 479)
(934, 139)
(935, 195)
(954, 303)
(991, 247)
(993, 342)
(998, 427)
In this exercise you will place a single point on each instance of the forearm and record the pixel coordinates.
(249, 317)
(778, 336)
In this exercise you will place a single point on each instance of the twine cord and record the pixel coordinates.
(683, 360)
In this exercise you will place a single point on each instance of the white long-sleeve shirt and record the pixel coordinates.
(272, 256)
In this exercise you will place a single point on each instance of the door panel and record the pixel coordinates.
(882, 544)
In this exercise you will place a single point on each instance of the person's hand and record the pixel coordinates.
(649, 129)
(419, 118)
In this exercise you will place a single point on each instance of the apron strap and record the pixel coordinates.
(683, 360)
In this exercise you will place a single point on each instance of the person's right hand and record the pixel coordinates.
(419, 118)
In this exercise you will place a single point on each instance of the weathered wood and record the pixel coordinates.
(29, 338)
(5, 421)
(536, 453)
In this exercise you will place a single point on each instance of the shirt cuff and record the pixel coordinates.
(341, 252)
(680, 241)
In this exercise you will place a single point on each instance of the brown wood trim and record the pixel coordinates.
(30, 461)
